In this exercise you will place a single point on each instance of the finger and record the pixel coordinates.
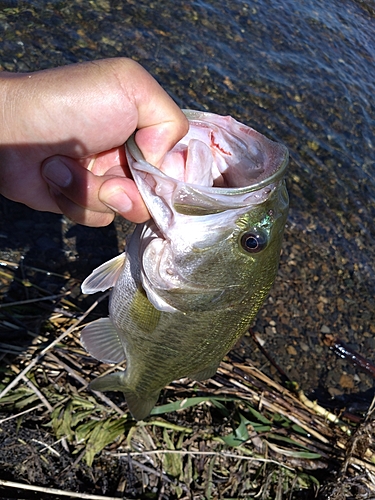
(122, 196)
(66, 176)
(155, 141)
(161, 123)
(79, 214)
(80, 194)
(103, 163)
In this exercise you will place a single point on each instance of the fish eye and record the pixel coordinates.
(254, 241)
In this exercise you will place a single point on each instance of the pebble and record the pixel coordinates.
(325, 329)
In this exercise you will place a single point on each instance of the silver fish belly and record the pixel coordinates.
(192, 278)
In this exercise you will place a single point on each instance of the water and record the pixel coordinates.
(301, 72)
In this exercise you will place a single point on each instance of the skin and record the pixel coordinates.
(61, 142)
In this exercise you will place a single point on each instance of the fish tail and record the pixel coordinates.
(139, 406)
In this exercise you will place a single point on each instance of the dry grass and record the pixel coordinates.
(238, 435)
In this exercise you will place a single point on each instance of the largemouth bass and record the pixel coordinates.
(194, 276)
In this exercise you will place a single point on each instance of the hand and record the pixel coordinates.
(63, 131)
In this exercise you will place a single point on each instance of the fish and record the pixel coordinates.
(192, 278)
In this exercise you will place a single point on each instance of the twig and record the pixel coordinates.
(331, 417)
(34, 389)
(150, 470)
(345, 352)
(74, 374)
(17, 265)
(10, 349)
(370, 410)
(284, 377)
(220, 454)
(46, 447)
(36, 360)
(53, 491)
(281, 406)
(22, 413)
(30, 301)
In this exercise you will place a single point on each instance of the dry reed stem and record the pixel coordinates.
(21, 413)
(275, 408)
(32, 386)
(53, 491)
(80, 379)
(31, 301)
(218, 454)
(36, 360)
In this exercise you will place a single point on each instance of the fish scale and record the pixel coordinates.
(193, 278)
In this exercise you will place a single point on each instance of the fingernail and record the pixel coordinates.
(118, 201)
(56, 172)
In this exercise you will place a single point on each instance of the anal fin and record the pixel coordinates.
(111, 382)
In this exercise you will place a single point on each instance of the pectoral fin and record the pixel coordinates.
(101, 340)
(104, 276)
(139, 406)
(206, 373)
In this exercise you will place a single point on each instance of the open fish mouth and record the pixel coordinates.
(219, 164)
(242, 160)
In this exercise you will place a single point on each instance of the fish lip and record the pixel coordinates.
(137, 155)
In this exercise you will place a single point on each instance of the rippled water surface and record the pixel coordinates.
(301, 72)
